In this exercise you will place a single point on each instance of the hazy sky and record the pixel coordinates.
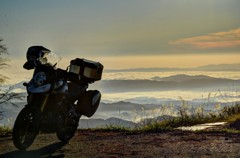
(125, 33)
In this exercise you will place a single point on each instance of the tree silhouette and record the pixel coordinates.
(5, 95)
(3, 61)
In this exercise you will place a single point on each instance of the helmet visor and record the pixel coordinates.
(49, 58)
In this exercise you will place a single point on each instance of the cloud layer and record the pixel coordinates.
(219, 40)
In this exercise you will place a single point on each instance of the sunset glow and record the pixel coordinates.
(125, 34)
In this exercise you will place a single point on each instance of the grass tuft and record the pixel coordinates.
(113, 128)
(230, 114)
(5, 131)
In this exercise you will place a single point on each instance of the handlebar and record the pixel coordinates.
(62, 73)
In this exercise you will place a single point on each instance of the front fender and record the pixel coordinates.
(41, 89)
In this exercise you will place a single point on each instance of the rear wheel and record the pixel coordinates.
(66, 134)
(26, 127)
(66, 128)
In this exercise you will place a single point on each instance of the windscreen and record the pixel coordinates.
(50, 58)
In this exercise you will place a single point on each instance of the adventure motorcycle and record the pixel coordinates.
(56, 98)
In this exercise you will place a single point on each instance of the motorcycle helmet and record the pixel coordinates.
(33, 54)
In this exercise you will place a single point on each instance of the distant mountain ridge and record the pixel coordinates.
(181, 78)
(220, 67)
(176, 82)
(104, 123)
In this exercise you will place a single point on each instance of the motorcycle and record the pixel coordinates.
(57, 99)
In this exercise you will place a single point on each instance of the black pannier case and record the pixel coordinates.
(88, 104)
(85, 70)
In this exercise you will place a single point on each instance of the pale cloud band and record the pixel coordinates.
(219, 40)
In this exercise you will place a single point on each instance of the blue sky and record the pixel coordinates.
(126, 30)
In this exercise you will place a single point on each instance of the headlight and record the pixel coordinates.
(39, 79)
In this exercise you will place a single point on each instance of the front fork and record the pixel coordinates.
(35, 99)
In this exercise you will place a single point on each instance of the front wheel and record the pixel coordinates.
(26, 127)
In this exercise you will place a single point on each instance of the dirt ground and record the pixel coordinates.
(123, 144)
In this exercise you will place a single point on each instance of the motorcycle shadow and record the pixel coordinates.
(47, 151)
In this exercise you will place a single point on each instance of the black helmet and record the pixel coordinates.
(34, 53)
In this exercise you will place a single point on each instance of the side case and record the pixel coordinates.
(88, 103)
